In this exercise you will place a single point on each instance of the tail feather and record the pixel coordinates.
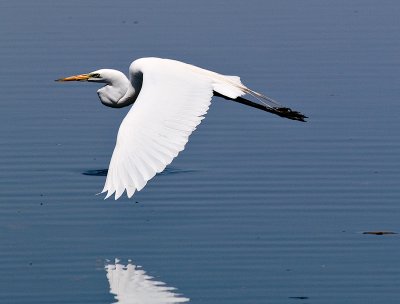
(277, 110)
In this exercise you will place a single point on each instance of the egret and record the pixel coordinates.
(169, 100)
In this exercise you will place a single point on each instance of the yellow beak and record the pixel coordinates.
(81, 77)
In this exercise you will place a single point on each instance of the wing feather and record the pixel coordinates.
(172, 102)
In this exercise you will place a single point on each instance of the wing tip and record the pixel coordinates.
(109, 193)
(129, 193)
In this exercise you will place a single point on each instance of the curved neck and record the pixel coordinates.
(118, 92)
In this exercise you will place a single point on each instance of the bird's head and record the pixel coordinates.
(108, 76)
(118, 91)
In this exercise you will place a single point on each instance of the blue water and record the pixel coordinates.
(257, 209)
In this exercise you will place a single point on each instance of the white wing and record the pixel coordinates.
(172, 102)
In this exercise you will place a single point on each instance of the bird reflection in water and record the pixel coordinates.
(131, 285)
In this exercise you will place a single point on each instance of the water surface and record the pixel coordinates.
(262, 209)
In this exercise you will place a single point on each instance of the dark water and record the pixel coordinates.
(260, 209)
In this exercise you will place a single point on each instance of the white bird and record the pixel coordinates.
(170, 99)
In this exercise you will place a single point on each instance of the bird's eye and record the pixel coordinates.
(96, 75)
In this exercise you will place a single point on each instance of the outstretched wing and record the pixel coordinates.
(172, 102)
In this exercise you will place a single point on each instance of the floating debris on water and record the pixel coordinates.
(379, 232)
(299, 298)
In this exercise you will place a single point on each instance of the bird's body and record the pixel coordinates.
(170, 98)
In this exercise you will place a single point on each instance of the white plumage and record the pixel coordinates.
(172, 102)
(170, 99)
